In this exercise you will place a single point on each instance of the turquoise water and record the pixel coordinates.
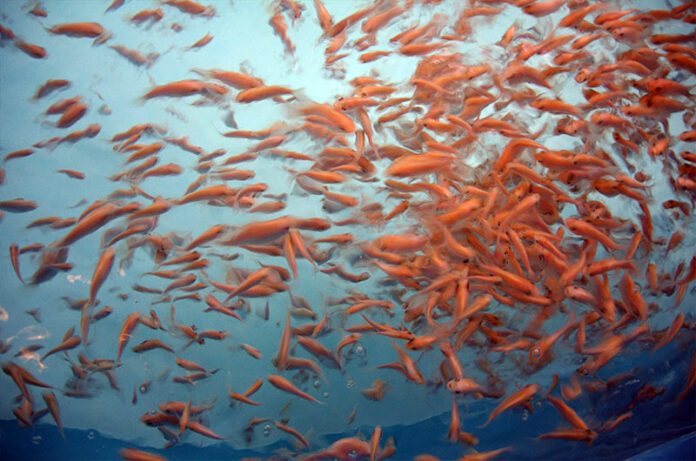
(100, 413)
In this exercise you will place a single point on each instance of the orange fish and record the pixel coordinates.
(280, 361)
(374, 442)
(294, 433)
(78, 29)
(101, 272)
(208, 235)
(153, 15)
(133, 454)
(128, 325)
(151, 344)
(325, 20)
(585, 229)
(519, 397)
(455, 424)
(14, 259)
(183, 421)
(203, 41)
(69, 343)
(35, 51)
(177, 89)
(285, 385)
(262, 92)
(538, 352)
(191, 7)
(52, 404)
(568, 413)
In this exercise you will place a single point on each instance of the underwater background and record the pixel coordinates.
(345, 179)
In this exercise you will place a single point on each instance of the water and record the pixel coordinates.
(101, 411)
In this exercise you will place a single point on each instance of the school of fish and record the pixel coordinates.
(510, 203)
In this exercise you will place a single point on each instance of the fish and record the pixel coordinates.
(294, 433)
(128, 326)
(517, 398)
(374, 442)
(152, 15)
(50, 86)
(134, 56)
(203, 41)
(150, 344)
(537, 352)
(18, 205)
(31, 49)
(280, 360)
(67, 344)
(468, 219)
(252, 280)
(568, 413)
(235, 79)
(177, 89)
(14, 258)
(258, 93)
(191, 7)
(243, 399)
(101, 272)
(22, 377)
(78, 29)
(52, 404)
(133, 454)
(286, 386)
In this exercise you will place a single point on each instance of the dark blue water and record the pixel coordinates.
(659, 430)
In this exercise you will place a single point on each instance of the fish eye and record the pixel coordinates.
(535, 353)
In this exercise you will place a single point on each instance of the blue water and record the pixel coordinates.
(415, 417)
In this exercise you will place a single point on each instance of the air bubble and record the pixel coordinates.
(317, 384)
(143, 388)
(350, 384)
(36, 439)
(267, 430)
(325, 394)
(525, 415)
(353, 454)
(359, 350)
(90, 435)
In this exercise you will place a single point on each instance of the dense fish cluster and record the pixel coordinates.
(458, 222)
